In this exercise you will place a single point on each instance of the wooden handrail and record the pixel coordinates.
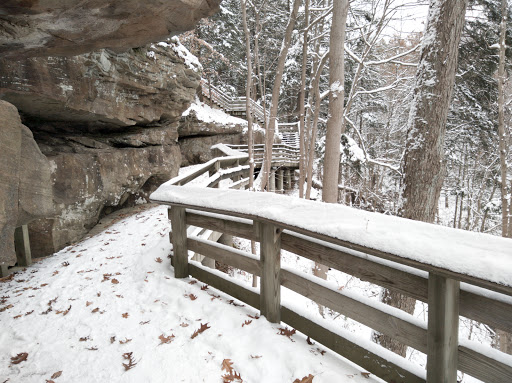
(423, 280)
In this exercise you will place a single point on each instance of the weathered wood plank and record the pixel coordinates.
(238, 229)
(236, 291)
(362, 268)
(270, 259)
(482, 309)
(402, 330)
(224, 254)
(492, 312)
(177, 216)
(373, 363)
(4, 270)
(483, 367)
(507, 290)
(443, 329)
(22, 244)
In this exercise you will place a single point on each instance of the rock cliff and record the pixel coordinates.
(104, 131)
(71, 27)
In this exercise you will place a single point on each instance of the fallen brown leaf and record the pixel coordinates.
(366, 375)
(131, 362)
(166, 339)
(201, 329)
(306, 379)
(56, 375)
(21, 357)
(115, 281)
(126, 315)
(126, 340)
(159, 260)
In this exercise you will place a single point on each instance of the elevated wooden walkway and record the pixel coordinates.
(361, 244)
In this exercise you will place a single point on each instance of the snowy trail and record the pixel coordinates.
(80, 310)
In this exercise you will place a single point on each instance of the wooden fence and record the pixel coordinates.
(233, 105)
(441, 288)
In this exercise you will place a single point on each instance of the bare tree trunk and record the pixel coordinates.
(504, 339)
(336, 98)
(335, 121)
(250, 140)
(424, 158)
(502, 133)
(269, 136)
(302, 106)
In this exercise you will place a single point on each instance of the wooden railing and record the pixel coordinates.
(476, 297)
(233, 105)
(282, 155)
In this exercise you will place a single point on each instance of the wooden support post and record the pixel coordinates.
(179, 241)
(272, 182)
(3, 270)
(22, 244)
(215, 169)
(288, 176)
(237, 178)
(270, 259)
(280, 181)
(443, 329)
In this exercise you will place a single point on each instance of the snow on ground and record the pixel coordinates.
(109, 310)
(208, 114)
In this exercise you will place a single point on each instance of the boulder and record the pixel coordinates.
(70, 27)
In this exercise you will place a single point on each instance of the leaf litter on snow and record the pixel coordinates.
(94, 328)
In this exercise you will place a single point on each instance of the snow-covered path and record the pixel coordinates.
(112, 300)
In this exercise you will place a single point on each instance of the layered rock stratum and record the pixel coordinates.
(82, 133)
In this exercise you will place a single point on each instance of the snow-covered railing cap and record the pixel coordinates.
(479, 259)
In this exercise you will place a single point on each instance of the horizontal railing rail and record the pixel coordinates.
(449, 293)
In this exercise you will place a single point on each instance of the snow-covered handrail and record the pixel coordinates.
(427, 262)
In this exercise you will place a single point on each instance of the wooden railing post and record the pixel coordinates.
(288, 179)
(443, 329)
(3, 270)
(22, 243)
(270, 259)
(177, 215)
(215, 169)
(280, 181)
(272, 181)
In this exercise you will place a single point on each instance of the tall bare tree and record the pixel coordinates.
(269, 136)
(335, 123)
(424, 157)
(504, 339)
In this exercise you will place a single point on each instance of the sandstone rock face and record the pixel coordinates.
(106, 125)
(70, 27)
(91, 178)
(102, 90)
(25, 187)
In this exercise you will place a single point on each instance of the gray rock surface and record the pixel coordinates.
(101, 90)
(25, 187)
(70, 27)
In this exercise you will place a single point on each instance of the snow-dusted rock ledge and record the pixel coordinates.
(476, 255)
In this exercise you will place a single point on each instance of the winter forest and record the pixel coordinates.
(256, 191)
(382, 49)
